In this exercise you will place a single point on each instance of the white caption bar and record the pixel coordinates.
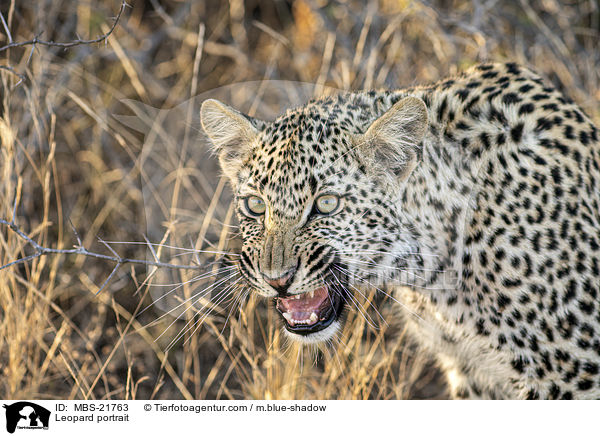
(288, 418)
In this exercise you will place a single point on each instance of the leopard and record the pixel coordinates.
(472, 202)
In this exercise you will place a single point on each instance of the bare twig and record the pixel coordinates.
(151, 247)
(73, 229)
(19, 75)
(36, 41)
(108, 279)
(6, 29)
(40, 250)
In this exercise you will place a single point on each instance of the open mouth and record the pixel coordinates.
(311, 311)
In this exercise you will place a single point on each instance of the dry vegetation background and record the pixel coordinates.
(64, 157)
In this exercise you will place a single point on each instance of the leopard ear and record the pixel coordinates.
(231, 132)
(393, 139)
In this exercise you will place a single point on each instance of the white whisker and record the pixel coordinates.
(180, 285)
(200, 321)
(155, 244)
(404, 270)
(197, 295)
(355, 302)
(383, 292)
(193, 322)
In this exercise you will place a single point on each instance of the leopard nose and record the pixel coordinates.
(283, 282)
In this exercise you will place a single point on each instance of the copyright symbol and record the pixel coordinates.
(147, 407)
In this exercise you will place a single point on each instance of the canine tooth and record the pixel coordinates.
(287, 316)
(311, 294)
(297, 296)
(313, 317)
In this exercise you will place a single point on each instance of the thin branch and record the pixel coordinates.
(6, 29)
(151, 247)
(79, 244)
(22, 260)
(36, 41)
(40, 250)
(110, 276)
(21, 77)
(196, 257)
(15, 203)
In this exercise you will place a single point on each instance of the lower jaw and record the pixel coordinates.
(306, 330)
(316, 337)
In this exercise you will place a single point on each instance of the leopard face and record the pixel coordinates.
(315, 194)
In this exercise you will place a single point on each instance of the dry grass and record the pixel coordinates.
(66, 157)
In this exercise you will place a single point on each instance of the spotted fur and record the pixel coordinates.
(480, 192)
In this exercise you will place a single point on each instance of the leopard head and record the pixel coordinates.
(316, 194)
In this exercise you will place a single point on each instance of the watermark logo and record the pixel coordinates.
(25, 415)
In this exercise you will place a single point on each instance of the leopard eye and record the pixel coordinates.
(327, 204)
(255, 206)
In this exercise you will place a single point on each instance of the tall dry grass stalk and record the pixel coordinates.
(64, 157)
